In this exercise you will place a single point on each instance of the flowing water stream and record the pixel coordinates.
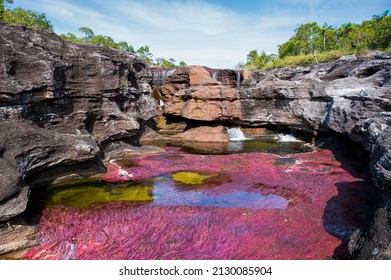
(232, 205)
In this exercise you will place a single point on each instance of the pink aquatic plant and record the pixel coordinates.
(320, 214)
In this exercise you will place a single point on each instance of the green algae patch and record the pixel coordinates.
(191, 178)
(125, 163)
(86, 195)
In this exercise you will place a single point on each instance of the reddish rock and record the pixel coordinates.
(205, 101)
(227, 77)
(205, 134)
(199, 76)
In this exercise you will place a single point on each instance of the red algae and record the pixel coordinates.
(325, 206)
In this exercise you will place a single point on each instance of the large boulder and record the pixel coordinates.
(61, 104)
(204, 134)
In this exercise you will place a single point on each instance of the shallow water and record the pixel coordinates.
(178, 205)
(261, 144)
(162, 191)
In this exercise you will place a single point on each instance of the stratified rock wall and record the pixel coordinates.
(60, 103)
(350, 96)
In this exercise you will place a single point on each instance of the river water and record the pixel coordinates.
(208, 203)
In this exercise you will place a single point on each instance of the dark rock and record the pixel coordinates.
(59, 104)
(15, 204)
(11, 181)
(374, 242)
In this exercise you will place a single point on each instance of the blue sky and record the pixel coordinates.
(216, 33)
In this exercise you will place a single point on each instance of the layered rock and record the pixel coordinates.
(349, 97)
(61, 104)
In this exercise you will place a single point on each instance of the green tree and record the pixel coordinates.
(125, 47)
(28, 18)
(4, 7)
(381, 31)
(19, 16)
(88, 34)
(145, 53)
(164, 63)
(308, 36)
(256, 60)
(292, 47)
(328, 33)
(71, 37)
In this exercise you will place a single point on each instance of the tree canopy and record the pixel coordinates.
(101, 40)
(19, 16)
(312, 39)
(36, 20)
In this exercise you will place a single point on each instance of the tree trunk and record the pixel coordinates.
(316, 60)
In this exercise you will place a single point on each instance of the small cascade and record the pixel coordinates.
(236, 134)
(287, 138)
(238, 78)
(160, 76)
(215, 75)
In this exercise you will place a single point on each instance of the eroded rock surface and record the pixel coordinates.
(351, 96)
(61, 104)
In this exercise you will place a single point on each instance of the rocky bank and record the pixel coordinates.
(350, 97)
(63, 107)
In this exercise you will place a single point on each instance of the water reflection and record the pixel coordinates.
(166, 192)
(163, 191)
(264, 144)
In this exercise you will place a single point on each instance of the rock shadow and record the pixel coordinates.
(348, 211)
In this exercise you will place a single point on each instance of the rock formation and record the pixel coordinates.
(349, 97)
(62, 106)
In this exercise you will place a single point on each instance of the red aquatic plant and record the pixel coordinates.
(319, 219)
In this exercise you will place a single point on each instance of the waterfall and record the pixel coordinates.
(236, 134)
(287, 138)
(238, 78)
(215, 75)
(160, 76)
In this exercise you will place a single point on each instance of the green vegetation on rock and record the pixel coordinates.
(19, 16)
(312, 43)
(36, 20)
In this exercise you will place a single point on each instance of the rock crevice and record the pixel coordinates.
(60, 104)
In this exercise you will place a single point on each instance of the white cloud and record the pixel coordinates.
(197, 32)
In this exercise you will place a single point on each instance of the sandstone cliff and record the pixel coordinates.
(62, 106)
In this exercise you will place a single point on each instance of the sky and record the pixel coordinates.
(214, 33)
